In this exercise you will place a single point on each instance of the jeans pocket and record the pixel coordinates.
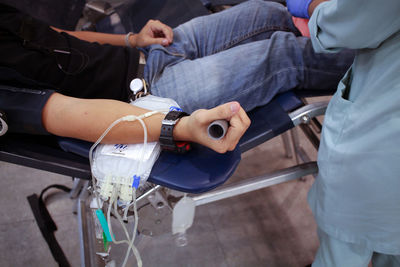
(170, 51)
(158, 58)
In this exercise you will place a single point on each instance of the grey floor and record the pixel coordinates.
(268, 227)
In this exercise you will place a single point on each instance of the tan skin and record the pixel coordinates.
(154, 32)
(87, 119)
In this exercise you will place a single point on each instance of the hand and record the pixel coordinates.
(154, 32)
(298, 8)
(199, 120)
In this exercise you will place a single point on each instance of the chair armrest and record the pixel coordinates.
(306, 113)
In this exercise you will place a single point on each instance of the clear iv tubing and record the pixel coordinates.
(113, 200)
(125, 118)
(91, 156)
(129, 241)
(131, 246)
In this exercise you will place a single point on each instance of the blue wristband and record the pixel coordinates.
(298, 8)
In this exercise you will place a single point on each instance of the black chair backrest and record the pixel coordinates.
(135, 13)
(63, 14)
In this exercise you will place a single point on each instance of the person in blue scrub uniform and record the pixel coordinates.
(355, 198)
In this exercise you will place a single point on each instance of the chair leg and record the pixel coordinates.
(76, 188)
(88, 242)
(295, 143)
(300, 154)
(287, 144)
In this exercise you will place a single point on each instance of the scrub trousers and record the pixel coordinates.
(333, 252)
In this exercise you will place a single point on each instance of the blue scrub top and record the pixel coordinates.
(356, 196)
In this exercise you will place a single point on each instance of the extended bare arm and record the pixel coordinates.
(87, 119)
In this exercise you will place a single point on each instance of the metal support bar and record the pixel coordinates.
(87, 239)
(103, 8)
(148, 193)
(303, 155)
(286, 144)
(311, 136)
(315, 124)
(304, 114)
(305, 117)
(77, 188)
(296, 143)
(257, 183)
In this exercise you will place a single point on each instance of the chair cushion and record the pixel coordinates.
(202, 169)
(197, 171)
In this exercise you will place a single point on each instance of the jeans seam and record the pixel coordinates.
(251, 34)
(249, 89)
(162, 49)
(269, 77)
(246, 91)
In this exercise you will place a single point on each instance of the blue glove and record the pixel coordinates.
(298, 8)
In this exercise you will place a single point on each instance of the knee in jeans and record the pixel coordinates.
(268, 7)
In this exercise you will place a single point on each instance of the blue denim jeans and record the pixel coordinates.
(247, 53)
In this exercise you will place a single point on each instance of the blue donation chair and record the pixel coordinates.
(208, 170)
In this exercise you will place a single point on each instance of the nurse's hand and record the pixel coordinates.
(154, 32)
(298, 8)
(302, 8)
(194, 127)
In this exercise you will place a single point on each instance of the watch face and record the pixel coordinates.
(166, 136)
(173, 115)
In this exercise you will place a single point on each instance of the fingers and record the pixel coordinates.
(161, 33)
(238, 124)
(197, 123)
(225, 111)
(155, 32)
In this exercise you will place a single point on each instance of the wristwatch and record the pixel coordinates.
(167, 141)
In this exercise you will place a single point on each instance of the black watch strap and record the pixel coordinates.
(167, 141)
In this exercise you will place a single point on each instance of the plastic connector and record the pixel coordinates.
(106, 188)
(125, 193)
(148, 114)
(94, 204)
(136, 181)
(129, 118)
(143, 116)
